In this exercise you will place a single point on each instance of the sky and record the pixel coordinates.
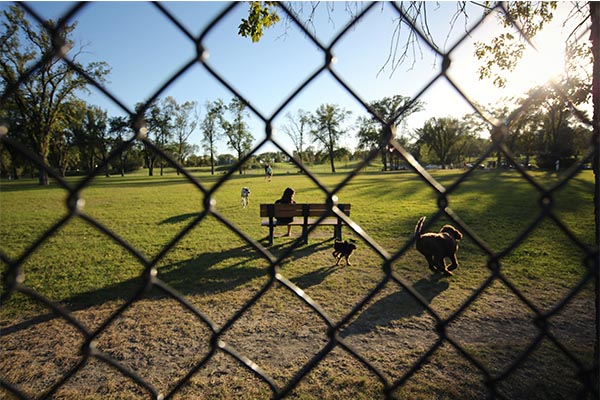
(145, 49)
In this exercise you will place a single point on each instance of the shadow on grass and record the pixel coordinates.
(313, 278)
(194, 276)
(179, 218)
(209, 273)
(396, 306)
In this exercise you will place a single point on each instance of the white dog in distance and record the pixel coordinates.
(245, 197)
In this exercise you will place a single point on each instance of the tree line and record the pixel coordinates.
(45, 114)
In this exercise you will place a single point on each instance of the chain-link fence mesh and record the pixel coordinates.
(328, 335)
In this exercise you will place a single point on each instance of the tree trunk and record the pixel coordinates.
(331, 156)
(595, 39)
(106, 168)
(43, 177)
(122, 165)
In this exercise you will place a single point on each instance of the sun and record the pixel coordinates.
(542, 64)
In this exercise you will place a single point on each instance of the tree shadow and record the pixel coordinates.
(179, 218)
(194, 276)
(396, 306)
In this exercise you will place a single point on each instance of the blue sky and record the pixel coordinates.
(144, 49)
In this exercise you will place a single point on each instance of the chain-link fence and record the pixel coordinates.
(330, 338)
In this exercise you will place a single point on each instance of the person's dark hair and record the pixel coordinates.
(288, 193)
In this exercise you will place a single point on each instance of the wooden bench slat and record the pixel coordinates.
(291, 210)
(304, 214)
(300, 222)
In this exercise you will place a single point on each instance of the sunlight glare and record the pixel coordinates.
(540, 65)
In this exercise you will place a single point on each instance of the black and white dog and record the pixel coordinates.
(245, 197)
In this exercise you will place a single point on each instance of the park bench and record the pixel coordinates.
(304, 215)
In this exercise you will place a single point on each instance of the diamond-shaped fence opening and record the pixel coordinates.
(194, 303)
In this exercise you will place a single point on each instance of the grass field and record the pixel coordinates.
(218, 272)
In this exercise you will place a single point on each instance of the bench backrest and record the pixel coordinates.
(299, 210)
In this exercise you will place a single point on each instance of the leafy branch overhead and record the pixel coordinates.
(259, 17)
(499, 56)
(506, 49)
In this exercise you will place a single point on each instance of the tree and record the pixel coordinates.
(64, 152)
(117, 128)
(238, 136)
(554, 118)
(17, 161)
(442, 136)
(297, 129)
(95, 124)
(159, 124)
(37, 52)
(185, 121)
(326, 128)
(390, 111)
(210, 129)
(88, 125)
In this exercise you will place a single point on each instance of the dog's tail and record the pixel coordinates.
(419, 227)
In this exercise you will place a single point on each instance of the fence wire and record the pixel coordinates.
(14, 274)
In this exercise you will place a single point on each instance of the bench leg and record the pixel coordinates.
(305, 234)
(271, 235)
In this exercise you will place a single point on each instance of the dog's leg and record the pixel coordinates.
(432, 265)
(337, 255)
(442, 266)
(454, 263)
(348, 260)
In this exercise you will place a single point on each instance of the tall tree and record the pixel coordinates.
(88, 125)
(64, 152)
(185, 121)
(95, 124)
(297, 128)
(118, 127)
(392, 111)
(326, 128)
(210, 129)
(595, 40)
(10, 112)
(442, 136)
(36, 53)
(239, 138)
(158, 118)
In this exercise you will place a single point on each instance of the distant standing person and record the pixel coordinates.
(269, 172)
(286, 198)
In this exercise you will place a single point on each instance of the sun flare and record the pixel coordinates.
(542, 64)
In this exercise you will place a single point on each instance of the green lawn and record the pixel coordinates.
(218, 271)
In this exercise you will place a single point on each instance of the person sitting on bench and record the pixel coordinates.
(286, 198)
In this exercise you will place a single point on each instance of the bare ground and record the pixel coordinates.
(161, 341)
